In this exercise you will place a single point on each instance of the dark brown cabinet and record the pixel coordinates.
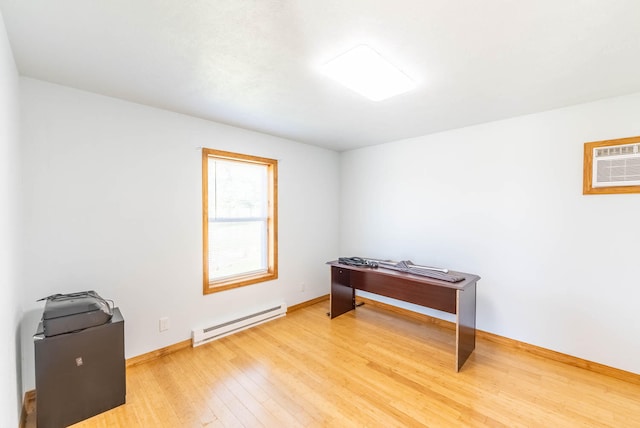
(79, 374)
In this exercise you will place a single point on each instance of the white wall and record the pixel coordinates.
(113, 203)
(504, 200)
(10, 391)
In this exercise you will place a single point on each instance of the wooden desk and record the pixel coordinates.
(455, 298)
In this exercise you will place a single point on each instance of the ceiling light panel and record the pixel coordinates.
(366, 72)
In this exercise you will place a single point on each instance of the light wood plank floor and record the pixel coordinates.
(370, 367)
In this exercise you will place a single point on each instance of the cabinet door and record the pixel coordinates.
(342, 295)
(81, 374)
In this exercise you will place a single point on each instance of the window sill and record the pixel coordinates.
(238, 281)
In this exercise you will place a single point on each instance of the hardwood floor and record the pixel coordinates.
(369, 367)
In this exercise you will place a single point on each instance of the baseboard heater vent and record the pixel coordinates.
(201, 336)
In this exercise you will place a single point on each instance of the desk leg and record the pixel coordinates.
(342, 295)
(465, 324)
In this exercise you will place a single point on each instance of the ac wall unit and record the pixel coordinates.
(218, 330)
(616, 165)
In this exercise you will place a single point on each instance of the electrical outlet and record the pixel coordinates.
(303, 286)
(164, 324)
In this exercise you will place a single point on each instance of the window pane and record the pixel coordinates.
(236, 248)
(237, 190)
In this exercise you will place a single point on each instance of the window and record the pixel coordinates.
(239, 220)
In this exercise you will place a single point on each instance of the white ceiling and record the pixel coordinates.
(254, 63)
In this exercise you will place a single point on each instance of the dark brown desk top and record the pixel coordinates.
(469, 278)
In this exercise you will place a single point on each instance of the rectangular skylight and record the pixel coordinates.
(366, 72)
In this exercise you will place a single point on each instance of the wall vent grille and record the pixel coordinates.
(616, 165)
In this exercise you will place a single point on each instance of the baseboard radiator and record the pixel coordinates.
(204, 335)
